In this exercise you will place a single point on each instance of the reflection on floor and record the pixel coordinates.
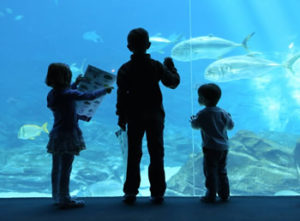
(174, 208)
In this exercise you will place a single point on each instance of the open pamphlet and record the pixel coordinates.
(95, 79)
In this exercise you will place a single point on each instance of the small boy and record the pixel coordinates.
(213, 123)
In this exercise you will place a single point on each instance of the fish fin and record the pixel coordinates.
(45, 129)
(244, 43)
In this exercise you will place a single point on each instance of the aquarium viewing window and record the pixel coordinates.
(249, 48)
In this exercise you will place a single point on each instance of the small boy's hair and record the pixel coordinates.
(211, 94)
(59, 75)
(138, 39)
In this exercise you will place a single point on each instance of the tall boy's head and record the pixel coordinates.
(209, 94)
(59, 75)
(138, 40)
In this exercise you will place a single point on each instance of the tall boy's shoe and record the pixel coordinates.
(157, 199)
(224, 200)
(71, 204)
(129, 198)
(206, 199)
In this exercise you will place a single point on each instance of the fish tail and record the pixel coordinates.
(45, 129)
(290, 62)
(245, 42)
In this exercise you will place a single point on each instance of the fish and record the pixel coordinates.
(31, 131)
(247, 66)
(19, 17)
(92, 36)
(159, 43)
(77, 70)
(205, 47)
(238, 67)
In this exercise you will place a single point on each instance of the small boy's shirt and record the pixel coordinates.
(213, 123)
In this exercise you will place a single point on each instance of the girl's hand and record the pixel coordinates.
(79, 79)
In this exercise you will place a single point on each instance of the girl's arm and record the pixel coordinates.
(78, 95)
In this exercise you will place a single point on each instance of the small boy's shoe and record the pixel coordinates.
(157, 199)
(71, 204)
(129, 198)
(206, 199)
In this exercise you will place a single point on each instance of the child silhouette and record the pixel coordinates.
(213, 123)
(65, 138)
(139, 106)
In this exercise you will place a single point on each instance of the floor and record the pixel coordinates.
(174, 208)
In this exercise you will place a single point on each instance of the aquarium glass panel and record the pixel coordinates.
(249, 48)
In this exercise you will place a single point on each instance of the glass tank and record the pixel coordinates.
(249, 48)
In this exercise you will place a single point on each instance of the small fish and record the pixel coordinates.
(77, 70)
(92, 36)
(19, 17)
(159, 43)
(31, 131)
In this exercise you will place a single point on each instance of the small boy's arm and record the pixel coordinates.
(195, 122)
(230, 123)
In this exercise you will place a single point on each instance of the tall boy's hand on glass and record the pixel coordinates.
(168, 62)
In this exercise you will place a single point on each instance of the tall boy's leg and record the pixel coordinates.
(223, 190)
(156, 171)
(65, 172)
(210, 173)
(133, 178)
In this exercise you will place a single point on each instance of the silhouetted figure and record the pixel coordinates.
(213, 123)
(139, 105)
(65, 138)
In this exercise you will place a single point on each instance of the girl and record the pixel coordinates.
(65, 139)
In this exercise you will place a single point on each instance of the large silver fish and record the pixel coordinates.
(238, 67)
(246, 66)
(204, 47)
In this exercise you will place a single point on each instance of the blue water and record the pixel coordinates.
(35, 33)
